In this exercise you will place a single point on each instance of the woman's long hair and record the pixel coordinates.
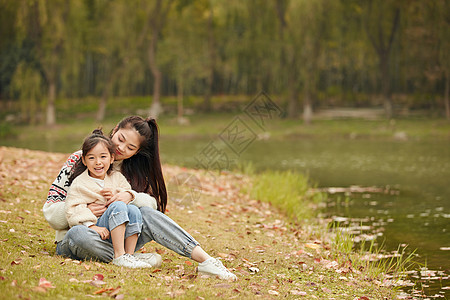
(89, 143)
(143, 170)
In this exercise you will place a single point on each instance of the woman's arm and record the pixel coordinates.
(125, 194)
(54, 207)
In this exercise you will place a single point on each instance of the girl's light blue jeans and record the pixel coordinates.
(83, 243)
(119, 213)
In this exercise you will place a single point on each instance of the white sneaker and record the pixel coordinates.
(129, 261)
(153, 259)
(213, 266)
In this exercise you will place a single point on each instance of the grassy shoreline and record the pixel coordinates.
(272, 256)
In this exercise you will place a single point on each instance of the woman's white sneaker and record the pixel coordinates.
(214, 267)
(129, 261)
(153, 259)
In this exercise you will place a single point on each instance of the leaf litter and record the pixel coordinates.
(271, 256)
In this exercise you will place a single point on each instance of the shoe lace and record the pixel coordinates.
(219, 265)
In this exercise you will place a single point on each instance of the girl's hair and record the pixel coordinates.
(143, 169)
(89, 143)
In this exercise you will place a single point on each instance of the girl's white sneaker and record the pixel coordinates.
(129, 261)
(153, 259)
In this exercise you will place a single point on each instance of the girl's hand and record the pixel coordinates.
(97, 209)
(107, 194)
(102, 231)
(125, 197)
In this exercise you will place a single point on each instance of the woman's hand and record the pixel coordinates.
(125, 197)
(97, 209)
(102, 231)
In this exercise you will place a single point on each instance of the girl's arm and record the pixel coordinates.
(54, 207)
(77, 212)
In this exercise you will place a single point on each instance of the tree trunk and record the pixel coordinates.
(385, 86)
(212, 62)
(293, 107)
(155, 108)
(307, 104)
(102, 106)
(51, 115)
(180, 92)
(446, 98)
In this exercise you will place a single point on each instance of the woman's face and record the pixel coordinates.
(127, 142)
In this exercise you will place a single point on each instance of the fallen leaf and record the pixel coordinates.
(39, 289)
(272, 292)
(97, 283)
(223, 255)
(312, 246)
(98, 277)
(44, 283)
(298, 293)
(16, 262)
(188, 263)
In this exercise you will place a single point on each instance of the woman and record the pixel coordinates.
(137, 158)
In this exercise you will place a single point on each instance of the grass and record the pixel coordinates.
(272, 256)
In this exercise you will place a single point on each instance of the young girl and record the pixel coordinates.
(120, 223)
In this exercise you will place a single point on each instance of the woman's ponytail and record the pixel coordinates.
(156, 178)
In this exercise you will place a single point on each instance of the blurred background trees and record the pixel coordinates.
(306, 54)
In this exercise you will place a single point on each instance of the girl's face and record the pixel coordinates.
(98, 160)
(127, 142)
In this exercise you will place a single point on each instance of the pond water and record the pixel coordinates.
(416, 212)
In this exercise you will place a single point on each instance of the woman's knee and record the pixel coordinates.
(79, 235)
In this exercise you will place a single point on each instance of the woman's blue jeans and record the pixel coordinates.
(83, 243)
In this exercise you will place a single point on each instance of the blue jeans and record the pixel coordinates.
(83, 243)
(119, 213)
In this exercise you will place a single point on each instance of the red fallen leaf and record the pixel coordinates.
(98, 277)
(44, 283)
(100, 291)
(188, 263)
(363, 298)
(16, 262)
(160, 251)
(156, 270)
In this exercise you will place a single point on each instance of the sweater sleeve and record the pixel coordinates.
(77, 212)
(144, 199)
(140, 199)
(54, 206)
